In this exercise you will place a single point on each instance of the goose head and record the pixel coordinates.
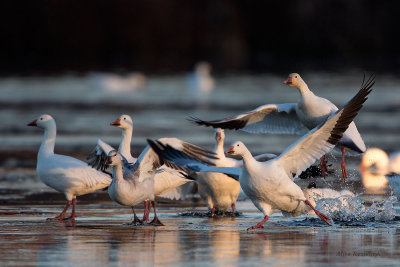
(237, 148)
(375, 160)
(123, 122)
(44, 121)
(113, 158)
(294, 80)
(219, 134)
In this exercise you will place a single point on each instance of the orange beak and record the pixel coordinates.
(116, 123)
(218, 136)
(32, 123)
(230, 150)
(288, 81)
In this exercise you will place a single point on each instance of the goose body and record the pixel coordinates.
(65, 174)
(269, 185)
(293, 118)
(218, 190)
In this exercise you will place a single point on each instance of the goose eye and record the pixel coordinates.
(41, 119)
(124, 119)
(237, 145)
(295, 76)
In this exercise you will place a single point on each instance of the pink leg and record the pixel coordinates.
(324, 168)
(73, 215)
(260, 224)
(321, 215)
(145, 213)
(212, 211)
(62, 214)
(344, 172)
(233, 208)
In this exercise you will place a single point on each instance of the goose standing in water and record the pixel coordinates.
(65, 174)
(167, 181)
(293, 118)
(134, 183)
(218, 190)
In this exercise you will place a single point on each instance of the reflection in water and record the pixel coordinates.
(217, 242)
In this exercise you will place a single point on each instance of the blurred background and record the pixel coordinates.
(87, 62)
(164, 37)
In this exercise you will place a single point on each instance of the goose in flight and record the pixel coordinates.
(65, 174)
(294, 118)
(269, 185)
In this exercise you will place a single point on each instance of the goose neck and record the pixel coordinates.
(48, 142)
(125, 145)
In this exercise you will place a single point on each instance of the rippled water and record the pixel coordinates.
(365, 230)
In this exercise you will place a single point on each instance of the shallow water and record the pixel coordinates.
(99, 236)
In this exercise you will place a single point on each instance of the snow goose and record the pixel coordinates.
(136, 184)
(167, 181)
(294, 118)
(218, 190)
(377, 169)
(270, 184)
(377, 161)
(63, 173)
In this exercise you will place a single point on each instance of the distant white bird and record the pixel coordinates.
(134, 183)
(293, 118)
(377, 169)
(167, 181)
(377, 161)
(201, 83)
(63, 173)
(270, 184)
(111, 82)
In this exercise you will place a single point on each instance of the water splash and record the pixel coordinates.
(346, 208)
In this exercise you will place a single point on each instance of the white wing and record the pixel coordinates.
(167, 183)
(77, 172)
(320, 140)
(191, 157)
(270, 118)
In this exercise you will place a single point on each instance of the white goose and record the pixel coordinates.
(218, 190)
(377, 161)
(293, 118)
(63, 173)
(167, 181)
(132, 186)
(270, 184)
(377, 169)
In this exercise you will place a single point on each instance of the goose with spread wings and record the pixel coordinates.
(270, 184)
(134, 183)
(294, 118)
(168, 182)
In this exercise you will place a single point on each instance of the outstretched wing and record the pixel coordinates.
(320, 140)
(270, 118)
(149, 160)
(196, 161)
(98, 156)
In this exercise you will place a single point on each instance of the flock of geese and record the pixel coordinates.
(167, 164)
